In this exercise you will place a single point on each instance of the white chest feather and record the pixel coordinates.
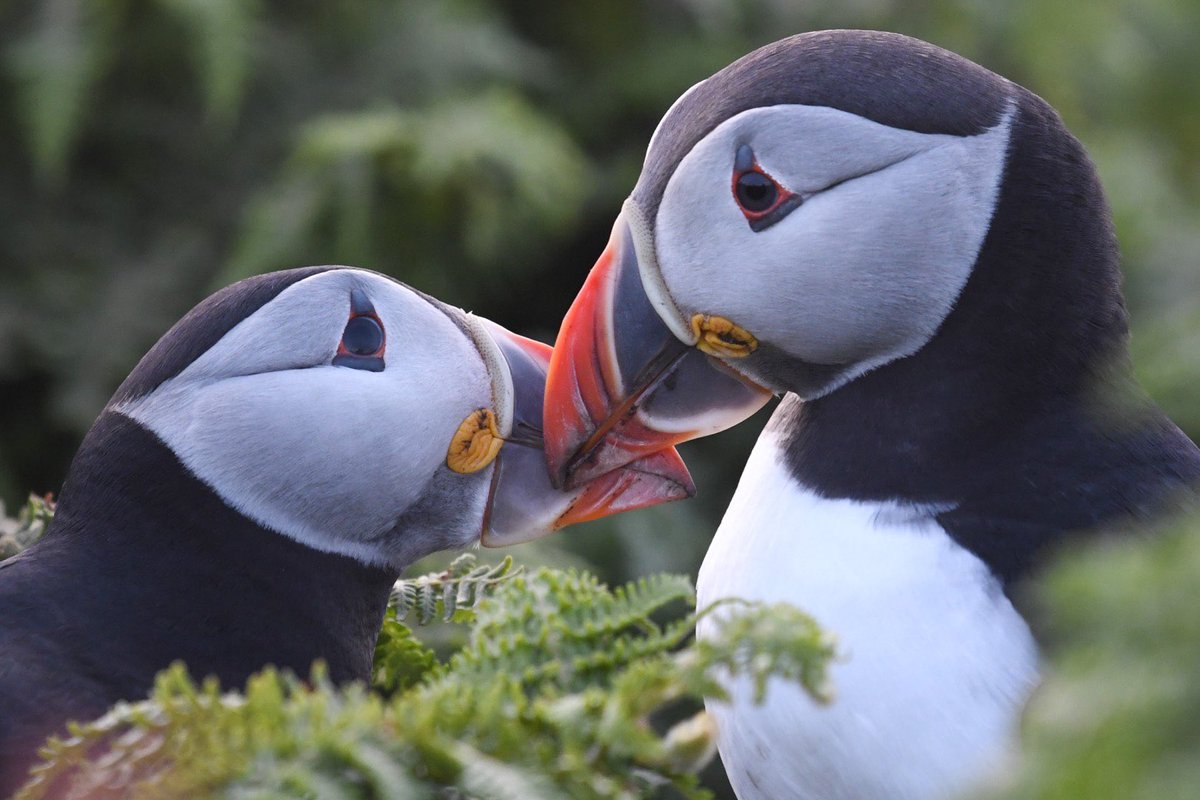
(936, 661)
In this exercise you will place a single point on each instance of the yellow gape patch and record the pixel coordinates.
(475, 444)
(719, 337)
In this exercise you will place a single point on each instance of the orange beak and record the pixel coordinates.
(621, 385)
(522, 503)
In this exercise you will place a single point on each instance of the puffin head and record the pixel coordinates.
(354, 414)
(806, 216)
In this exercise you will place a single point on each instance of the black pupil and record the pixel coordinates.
(363, 336)
(755, 191)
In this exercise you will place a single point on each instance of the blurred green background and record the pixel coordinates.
(156, 150)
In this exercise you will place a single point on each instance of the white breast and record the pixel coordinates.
(937, 662)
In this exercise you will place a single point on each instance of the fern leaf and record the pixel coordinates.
(400, 660)
(555, 695)
(449, 593)
(29, 525)
(486, 778)
(763, 642)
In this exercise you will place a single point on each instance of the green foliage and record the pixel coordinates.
(221, 35)
(557, 693)
(489, 168)
(281, 738)
(55, 67)
(479, 150)
(28, 526)
(1118, 717)
(401, 659)
(451, 593)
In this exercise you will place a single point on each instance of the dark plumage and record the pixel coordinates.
(144, 565)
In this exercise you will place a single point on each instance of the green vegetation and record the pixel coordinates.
(479, 149)
(18, 533)
(556, 687)
(561, 689)
(1118, 717)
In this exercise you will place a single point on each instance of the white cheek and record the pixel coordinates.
(297, 329)
(861, 273)
(332, 462)
(329, 456)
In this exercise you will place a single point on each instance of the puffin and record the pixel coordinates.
(252, 491)
(918, 256)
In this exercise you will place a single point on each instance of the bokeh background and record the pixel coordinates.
(156, 150)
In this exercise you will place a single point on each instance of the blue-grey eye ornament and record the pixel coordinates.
(363, 340)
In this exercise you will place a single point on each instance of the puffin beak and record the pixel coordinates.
(621, 384)
(523, 504)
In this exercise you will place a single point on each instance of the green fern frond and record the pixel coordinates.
(452, 593)
(190, 741)
(401, 660)
(564, 625)
(28, 526)
(555, 695)
(763, 642)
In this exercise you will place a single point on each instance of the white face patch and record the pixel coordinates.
(329, 455)
(866, 268)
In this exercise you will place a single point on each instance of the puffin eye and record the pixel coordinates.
(363, 336)
(755, 192)
(759, 196)
(363, 340)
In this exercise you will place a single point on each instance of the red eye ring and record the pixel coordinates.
(363, 339)
(760, 198)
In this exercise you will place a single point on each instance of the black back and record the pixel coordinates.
(144, 565)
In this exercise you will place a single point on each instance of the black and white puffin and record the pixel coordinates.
(254, 488)
(918, 255)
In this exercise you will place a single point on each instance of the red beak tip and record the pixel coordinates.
(658, 478)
